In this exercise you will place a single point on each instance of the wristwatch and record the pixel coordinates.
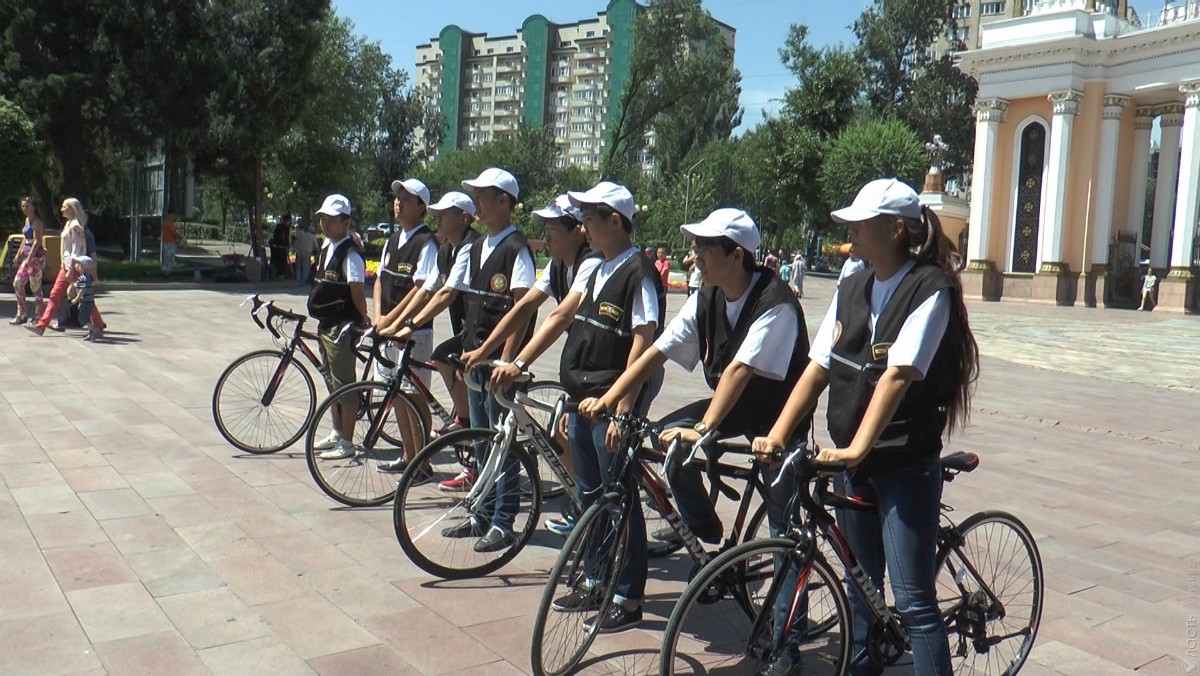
(701, 428)
(409, 324)
(519, 364)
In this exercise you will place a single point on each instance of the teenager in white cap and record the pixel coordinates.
(903, 326)
(570, 257)
(337, 298)
(455, 213)
(618, 304)
(498, 272)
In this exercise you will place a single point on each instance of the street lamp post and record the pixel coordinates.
(687, 195)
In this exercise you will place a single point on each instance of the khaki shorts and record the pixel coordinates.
(338, 358)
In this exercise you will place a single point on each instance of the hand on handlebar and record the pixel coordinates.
(846, 455)
(594, 407)
(503, 376)
(766, 449)
(686, 435)
(614, 437)
(470, 358)
(403, 334)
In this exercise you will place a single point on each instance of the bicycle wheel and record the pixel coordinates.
(580, 588)
(668, 542)
(713, 627)
(355, 480)
(263, 401)
(424, 509)
(546, 392)
(990, 590)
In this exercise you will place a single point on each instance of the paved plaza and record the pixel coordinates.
(134, 540)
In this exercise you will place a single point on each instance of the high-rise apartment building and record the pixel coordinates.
(568, 77)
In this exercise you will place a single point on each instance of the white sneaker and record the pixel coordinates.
(328, 442)
(343, 450)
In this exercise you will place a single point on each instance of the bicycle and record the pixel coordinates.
(599, 542)
(508, 454)
(990, 592)
(262, 402)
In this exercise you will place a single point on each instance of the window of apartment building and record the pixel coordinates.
(491, 50)
(487, 105)
(476, 52)
(581, 143)
(960, 33)
(560, 117)
(561, 132)
(561, 71)
(505, 91)
(508, 50)
(962, 11)
(582, 126)
(565, 44)
(591, 34)
(991, 8)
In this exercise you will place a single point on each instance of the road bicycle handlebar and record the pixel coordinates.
(475, 380)
(806, 463)
(259, 305)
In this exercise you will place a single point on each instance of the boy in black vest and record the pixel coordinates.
(409, 259)
(746, 328)
(498, 274)
(613, 313)
(338, 298)
(455, 213)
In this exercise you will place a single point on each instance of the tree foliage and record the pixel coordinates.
(681, 84)
(905, 81)
(19, 154)
(867, 151)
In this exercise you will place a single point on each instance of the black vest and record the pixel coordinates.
(761, 402)
(330, 302)
(490, 294)
(447, 252)
(857, 362)
(559, 285)
(396, 278)
(597, 348)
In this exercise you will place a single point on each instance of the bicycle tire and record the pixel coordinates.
(1004, 553)
(571, 572)
(422, 509)
(248, 426)
(721, 638)
(355, 480)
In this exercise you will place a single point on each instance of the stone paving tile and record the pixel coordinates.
(66, 528)
(88, 479)
(412, 632)
(138, 534)
(43, 500)
(152, 485)
(31, 475)
(91, 566)
(213, 617)
(30, 591)
(46, 645)
(151, 655)
(313, 626)
(376, 660)
(173, 571)
(257, 656)
(117, 611)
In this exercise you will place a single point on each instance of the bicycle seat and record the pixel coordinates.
(961, 461)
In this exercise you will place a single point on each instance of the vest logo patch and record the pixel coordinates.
(331, 275)
(499, 283)
(879, 351)
(611, 311)
(405, 268)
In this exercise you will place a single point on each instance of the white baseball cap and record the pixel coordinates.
(732, 223)
(454, 198)
(881, 196)
(561, 207)
(608, 193)
(412, 186)
(495, 177)
(335, 205)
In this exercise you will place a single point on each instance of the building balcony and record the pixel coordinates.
(600, 54)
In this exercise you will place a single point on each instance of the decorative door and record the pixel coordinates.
(1029, 198)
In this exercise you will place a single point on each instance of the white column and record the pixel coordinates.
(1170, 119)
(1106, 176)
(989, 113)
(1050, 248)
(1139, 170)
(1187, 204)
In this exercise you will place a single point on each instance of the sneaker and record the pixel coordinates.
(667, 534)
(57, 327)
(97, 334)
(328, 442)
(35, 329)
(18, 320)
(460, 483)
(616, 619)
(343, 450)
(89, 337)
(456, 425)
(785, 665)
(578, 601)
(396, 466)
(467, 528)
(562, 525)
(422, 475)
(495, 540)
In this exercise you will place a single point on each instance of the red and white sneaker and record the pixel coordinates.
(454, 426)
(462, 482)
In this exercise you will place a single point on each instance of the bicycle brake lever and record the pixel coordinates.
(788, 462)
(249, 298)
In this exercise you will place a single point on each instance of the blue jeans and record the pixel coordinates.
(501, 511)
(902, 533)
(691, 498)
(593, 465)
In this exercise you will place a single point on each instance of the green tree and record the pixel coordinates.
(905, 81)
(680, 84)
(867, 151)
(19, 155)
(828, 83)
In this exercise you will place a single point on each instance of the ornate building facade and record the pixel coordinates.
(1069, 96)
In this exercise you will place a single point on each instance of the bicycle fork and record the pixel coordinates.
(276, 378)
